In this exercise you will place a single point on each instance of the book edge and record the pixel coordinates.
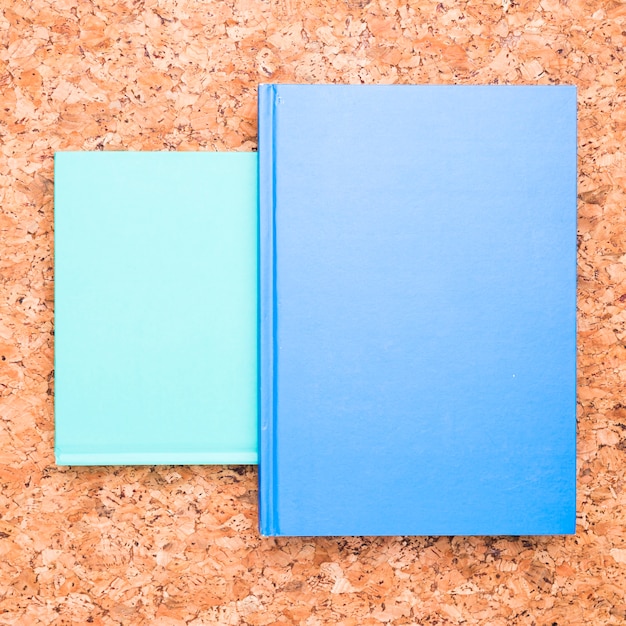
(154, 458)
(266, 314)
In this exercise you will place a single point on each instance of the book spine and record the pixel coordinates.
(267, 320)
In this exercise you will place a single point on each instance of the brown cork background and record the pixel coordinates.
(175, 546)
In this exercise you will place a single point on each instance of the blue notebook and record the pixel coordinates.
(417, 310)
(155, 308)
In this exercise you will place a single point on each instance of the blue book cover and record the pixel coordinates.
(155, 308)
(417, 310)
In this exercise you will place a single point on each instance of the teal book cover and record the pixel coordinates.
(155, 308)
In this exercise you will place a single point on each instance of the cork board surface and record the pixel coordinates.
(177, 546)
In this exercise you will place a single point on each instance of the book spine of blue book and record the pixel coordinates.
(267, 339)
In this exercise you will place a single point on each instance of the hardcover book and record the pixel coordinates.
(155, 308)
(417, 310)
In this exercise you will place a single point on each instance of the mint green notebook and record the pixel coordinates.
(155, 308)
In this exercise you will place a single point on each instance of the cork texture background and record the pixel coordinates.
(175, 546)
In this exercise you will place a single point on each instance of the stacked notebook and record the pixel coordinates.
(404, 343)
